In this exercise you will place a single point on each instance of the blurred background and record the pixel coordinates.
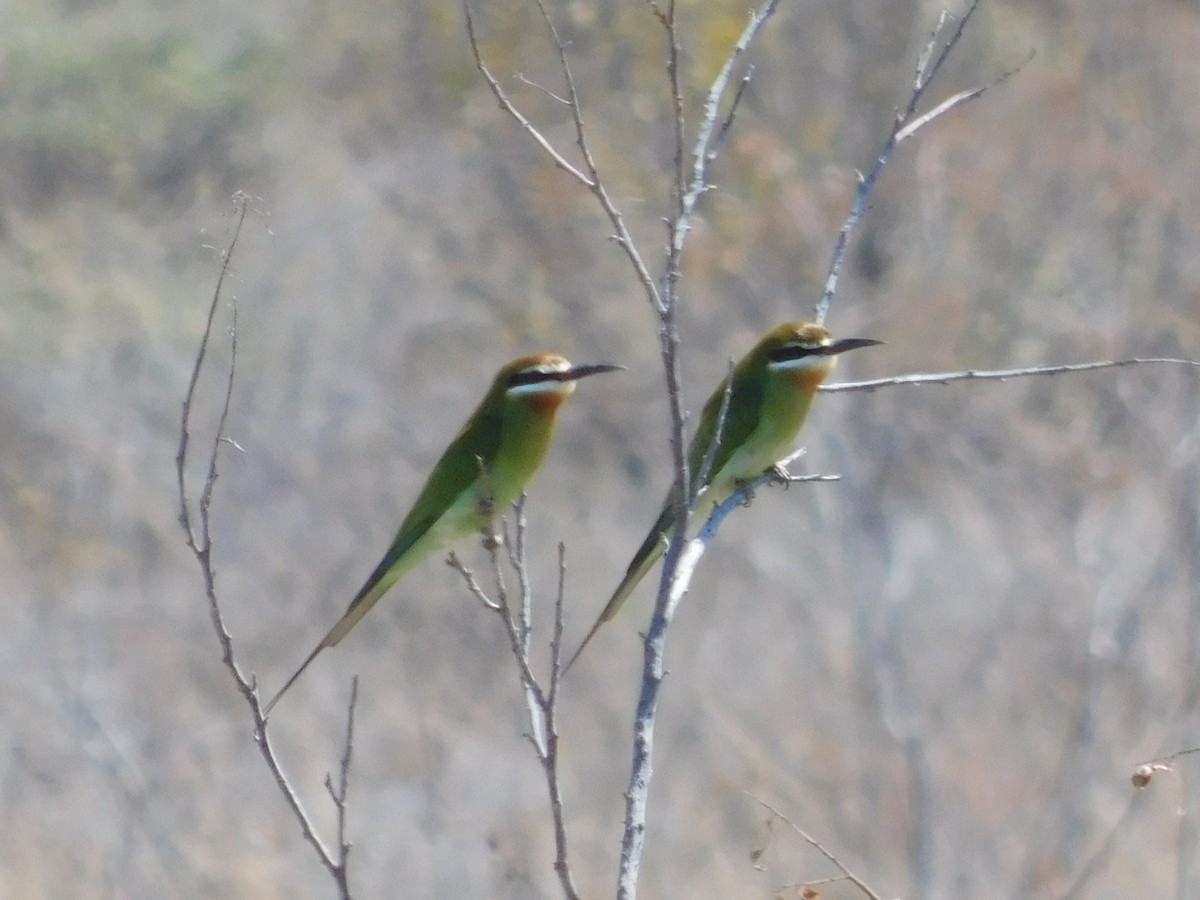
(943, 667)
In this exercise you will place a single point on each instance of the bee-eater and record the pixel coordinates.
(773, 389)
(485, 467)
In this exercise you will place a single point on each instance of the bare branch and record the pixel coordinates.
(199, 540)
(507, 105)
(701, 152)
(814, 843)
(546, 91)
(927, 70)
(718, 143)
(686, 195)
(589, 177)
(694, 548)
(637, 795)
(476, 591)
(958, 100)
(556, 644)
(550, 765)
(1001, 374)
(1144, 772)
(541, 704)
(342, 791)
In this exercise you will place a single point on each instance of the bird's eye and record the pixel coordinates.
(792, 352)
(529, 376)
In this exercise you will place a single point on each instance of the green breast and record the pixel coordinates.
(525, 437)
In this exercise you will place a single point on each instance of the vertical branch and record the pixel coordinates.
(687, 193)
(197, 529)
(541, 703)
(340, 793)
(199, 542)
(550, 764)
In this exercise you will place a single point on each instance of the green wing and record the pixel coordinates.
(741, 418)
(745, 399)
(455, 473)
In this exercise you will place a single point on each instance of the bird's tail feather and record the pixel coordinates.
(649, 554)
(359, 607)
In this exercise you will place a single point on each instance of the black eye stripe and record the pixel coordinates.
(796, 351)
(533, 376)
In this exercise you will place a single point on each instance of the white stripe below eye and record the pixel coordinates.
(549, 386)
(800, 362)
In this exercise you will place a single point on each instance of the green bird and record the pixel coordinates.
(486, 466)
(773, 389)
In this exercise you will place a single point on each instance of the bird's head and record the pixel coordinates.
(544, 380)
(803, 351)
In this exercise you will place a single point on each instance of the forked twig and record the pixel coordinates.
(541, 703)
(687, 191)
(929, 64)
(341, 792)
(703, 152)
(197, 529)
(589, 175)
(815, 844)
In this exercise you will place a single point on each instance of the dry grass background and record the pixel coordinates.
(943, 666)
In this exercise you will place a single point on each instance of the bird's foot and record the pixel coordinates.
(745, 487)
(780, 474)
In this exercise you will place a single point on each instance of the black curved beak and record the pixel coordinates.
(576, 372)
(841, 346)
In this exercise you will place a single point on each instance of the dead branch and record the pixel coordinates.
(541, 703)
(815, 844)
(1001, 374)
(903, 126)
(197, 528)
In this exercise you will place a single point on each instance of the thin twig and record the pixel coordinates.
(1144, 772)
(512, 628)
(813, 842)
(507, 105)
(1001, 374)
(718, 143)
(556, 636)
(701, 152)
(543, 90)
(550, 765)
(958, 100)
(473, 587)
(541, 704)
(342, 791)
(589, 175)
(519, 562)
(926, 73)
(694, 548)
(200, 544)
(199, 541)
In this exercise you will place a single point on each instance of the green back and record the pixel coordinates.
(454, 473)
(741, 418)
